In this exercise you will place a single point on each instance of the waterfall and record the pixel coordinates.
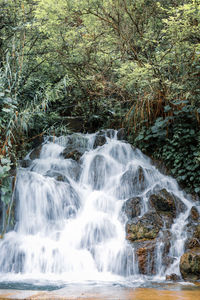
(70, 219)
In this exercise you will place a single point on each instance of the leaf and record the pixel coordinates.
(5, 161)
(197, 190)
(167, 108)
(7, 110)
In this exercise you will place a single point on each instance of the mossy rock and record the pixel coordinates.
(190, 265)
(146, 227)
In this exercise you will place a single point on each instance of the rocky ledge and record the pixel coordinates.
(147, 231)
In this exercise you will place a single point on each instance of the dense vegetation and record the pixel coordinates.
(113, 63)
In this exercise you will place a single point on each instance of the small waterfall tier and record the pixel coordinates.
(92, 207)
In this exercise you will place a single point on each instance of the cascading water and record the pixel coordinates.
(70, 223)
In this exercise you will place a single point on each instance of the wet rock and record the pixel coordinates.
(25, 163)
(100, 140)
(107, 132)
(132, 181)
(75, 146)
(57, 176)
(165, 239)
(75, 170)
(37, 141)
(75, 154)
(193, 233)
(190, 265)
(146, 227)
(145, 256)
(97, 172)
(132, 207)
(194, 214)
(160, 166)
(173, 277)
(166, 203)
(167, 219)
(35, 153)
(121, 134)
(163, 202)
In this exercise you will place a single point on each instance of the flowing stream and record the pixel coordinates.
(70, 225)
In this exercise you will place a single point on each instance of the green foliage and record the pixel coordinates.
(176, 142)
(5, 179)
(108, 62)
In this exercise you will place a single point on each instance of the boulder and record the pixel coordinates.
(100, 140)
(132, 181)
(160, 166)
(57, 176)
(74, 170)
(25, 163)
(163, 202)
(132, 207)
(166, 203)
(35, 153)
(107, 132)
(193, 233)
(74, 154)
(190, 265)
(144, 228)
(121, 134)
(97, 172)
(194, 214)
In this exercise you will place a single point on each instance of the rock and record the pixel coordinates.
(121, 134)
(194, 214)
(132, 207)
(132, 181)
(163, 202)
(74, 170)
(167, 219)
(25, 163)
(35, 153)
(75, 154)
(173, 277)
(144, 254)
(190, 265)
(165, 239)
(166, 203)
(146, 227)
(160, 166)
(57, 176)
(107, 132)
(37, 141)
(193, 234)
(100, 140)
(97, 172)
(180, 206)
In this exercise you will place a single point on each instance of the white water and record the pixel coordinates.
(74, 230)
